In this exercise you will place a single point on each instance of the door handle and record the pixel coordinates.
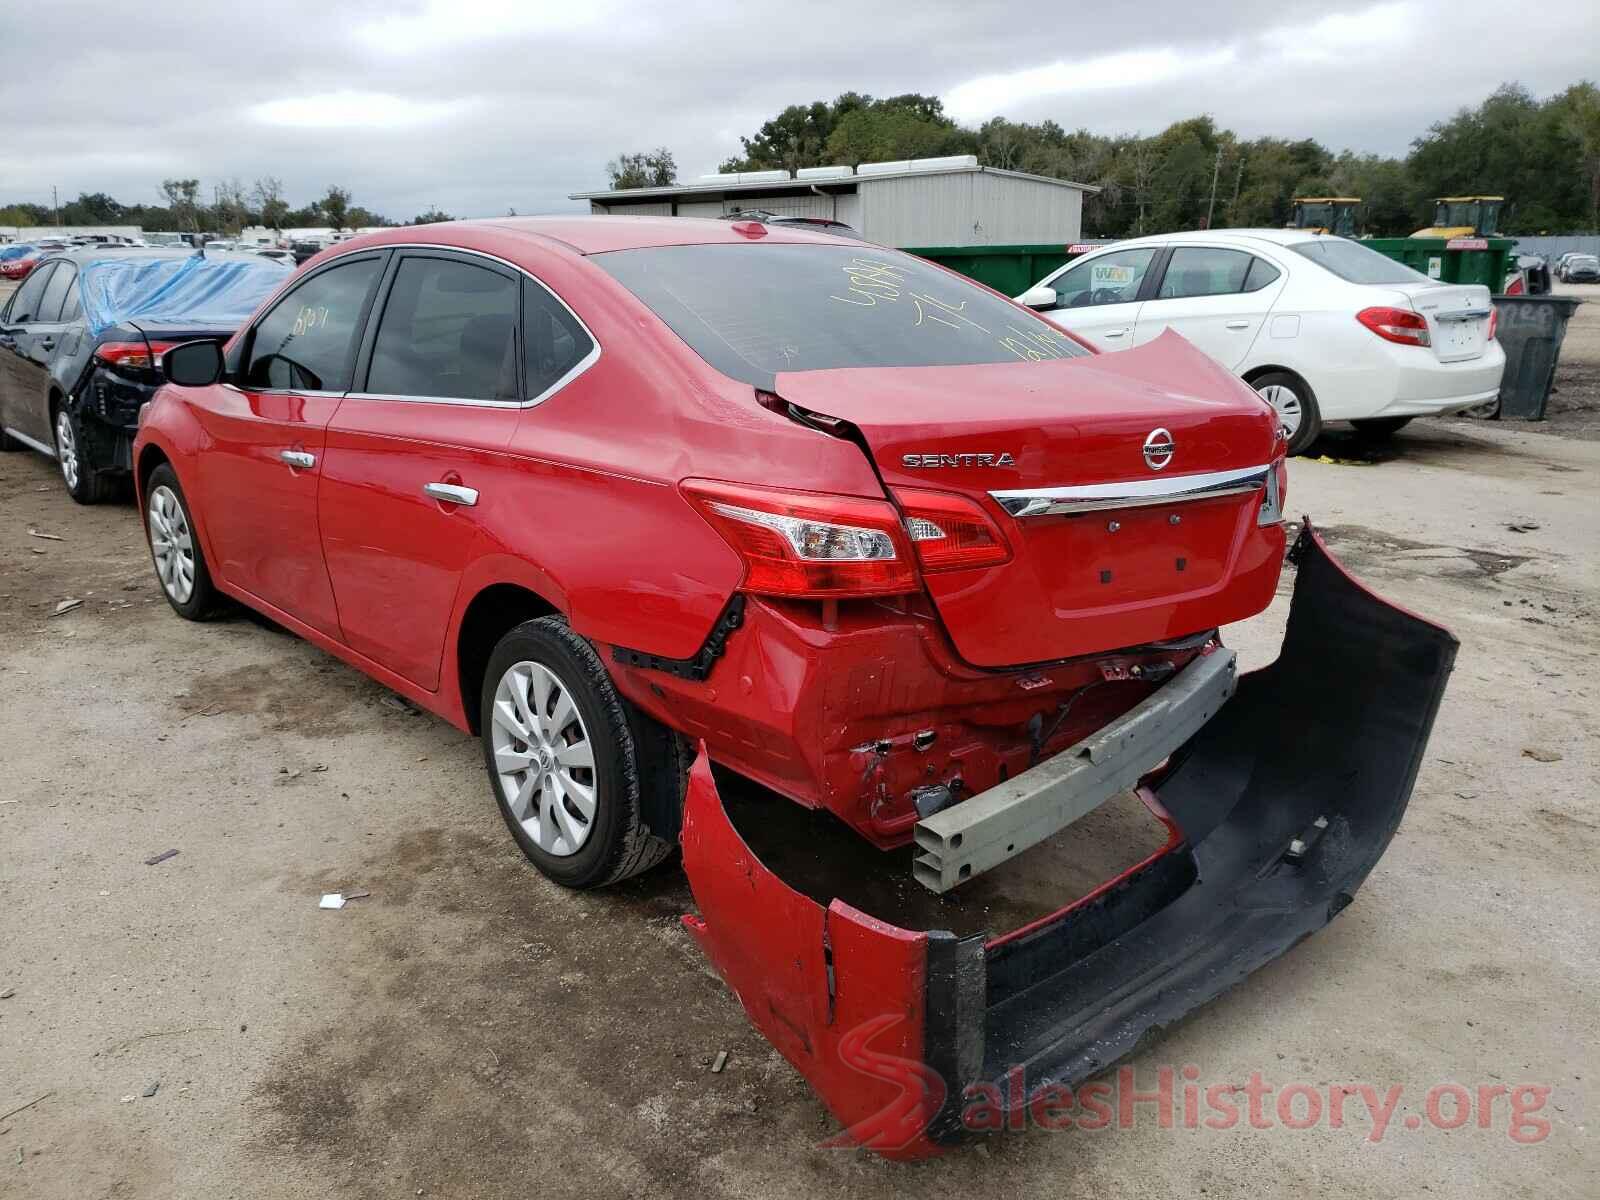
(1238, 325)
(1111, 333)
(452, 493)
(298, 458)
(47, 343)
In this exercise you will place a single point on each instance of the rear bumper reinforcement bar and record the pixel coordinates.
(979, 834)
(1276, 810)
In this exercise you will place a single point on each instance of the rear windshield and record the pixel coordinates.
(1355, 263)
(754, 311)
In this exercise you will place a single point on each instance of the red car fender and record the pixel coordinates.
(178, 437)
(846, 1005)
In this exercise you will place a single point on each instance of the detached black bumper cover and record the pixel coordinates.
(1277, 810)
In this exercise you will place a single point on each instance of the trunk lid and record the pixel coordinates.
(1457, 316)
(1108, 549)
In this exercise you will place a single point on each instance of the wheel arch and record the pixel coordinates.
(1255, 373)
(493, 612)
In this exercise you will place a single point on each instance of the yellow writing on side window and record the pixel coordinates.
(309, 318)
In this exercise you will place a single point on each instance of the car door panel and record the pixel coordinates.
(439, 403)
(265, 435)
(23, 360)
(1209, 307)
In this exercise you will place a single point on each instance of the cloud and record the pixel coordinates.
(482, 105)
(357, 110)
(991, 95)
(442, 23)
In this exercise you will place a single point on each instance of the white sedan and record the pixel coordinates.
(1324, 328)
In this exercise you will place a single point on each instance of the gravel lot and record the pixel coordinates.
(470, 1030)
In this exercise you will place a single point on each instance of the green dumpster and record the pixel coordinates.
(1452, 260)
(1530, 330)
(1009, 269)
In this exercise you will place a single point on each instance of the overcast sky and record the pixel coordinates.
(477, 106)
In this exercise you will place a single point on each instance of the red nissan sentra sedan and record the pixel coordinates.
(614, 494)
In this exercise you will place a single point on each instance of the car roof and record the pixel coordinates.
(85, 254)
(1240, 237)
(596, 234)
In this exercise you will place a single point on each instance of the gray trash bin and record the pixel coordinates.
(1530, 329)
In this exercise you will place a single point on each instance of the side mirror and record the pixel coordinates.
(193, 364)
(1041, 296)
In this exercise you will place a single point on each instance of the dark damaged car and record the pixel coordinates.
(81, 344)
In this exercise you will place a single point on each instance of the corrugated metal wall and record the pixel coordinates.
(664, 209)
(1554, 247)
(969, 208)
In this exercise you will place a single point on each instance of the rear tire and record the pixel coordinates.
(1379, 429)
(564, 761)
(84, 483)
(1292, 399)
(175, 550)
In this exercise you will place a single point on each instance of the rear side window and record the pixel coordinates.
(1113, 278)
(553, 341)
(1204, 271)
(25, 305)
(448, 330)
(753, 311)
(55, 293)
(1356, 263)
(307, 341)
(72, 310)
(1261, 273)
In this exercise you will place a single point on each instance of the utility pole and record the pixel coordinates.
(1233, 209)
(1215, 168)
(55, 202)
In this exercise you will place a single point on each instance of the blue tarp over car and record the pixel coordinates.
(189, 290)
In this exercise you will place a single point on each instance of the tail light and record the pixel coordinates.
(1396, 325)
(132, 356)
(1494, 323)
(950, 532)
(806, 543)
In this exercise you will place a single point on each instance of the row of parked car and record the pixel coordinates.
(1577, 267)
(627, 498)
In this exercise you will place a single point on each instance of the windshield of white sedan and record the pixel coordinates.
(753, 312)
(1355, 263)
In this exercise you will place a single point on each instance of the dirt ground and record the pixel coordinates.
(200, 1028)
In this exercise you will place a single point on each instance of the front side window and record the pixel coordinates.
(1113, 278)
(25, 305)
(55, 293)
(1204, 271)
(754, 311)
(307, 342)
(449, 330)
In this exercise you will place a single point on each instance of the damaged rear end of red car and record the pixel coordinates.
(1276, 810)
(987, 607)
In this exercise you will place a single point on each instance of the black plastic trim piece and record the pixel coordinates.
(698, 667)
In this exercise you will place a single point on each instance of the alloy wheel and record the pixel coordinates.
(67, 449)
(544, 761)
(172, 544)
(1287, 405)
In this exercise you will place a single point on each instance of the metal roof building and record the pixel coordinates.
(916, 202)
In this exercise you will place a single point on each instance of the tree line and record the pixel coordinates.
(1542, 155)
(233, 207)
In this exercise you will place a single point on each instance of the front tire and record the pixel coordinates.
(563, 761)
(84, 483)
(1295, 405)
(175, 549)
